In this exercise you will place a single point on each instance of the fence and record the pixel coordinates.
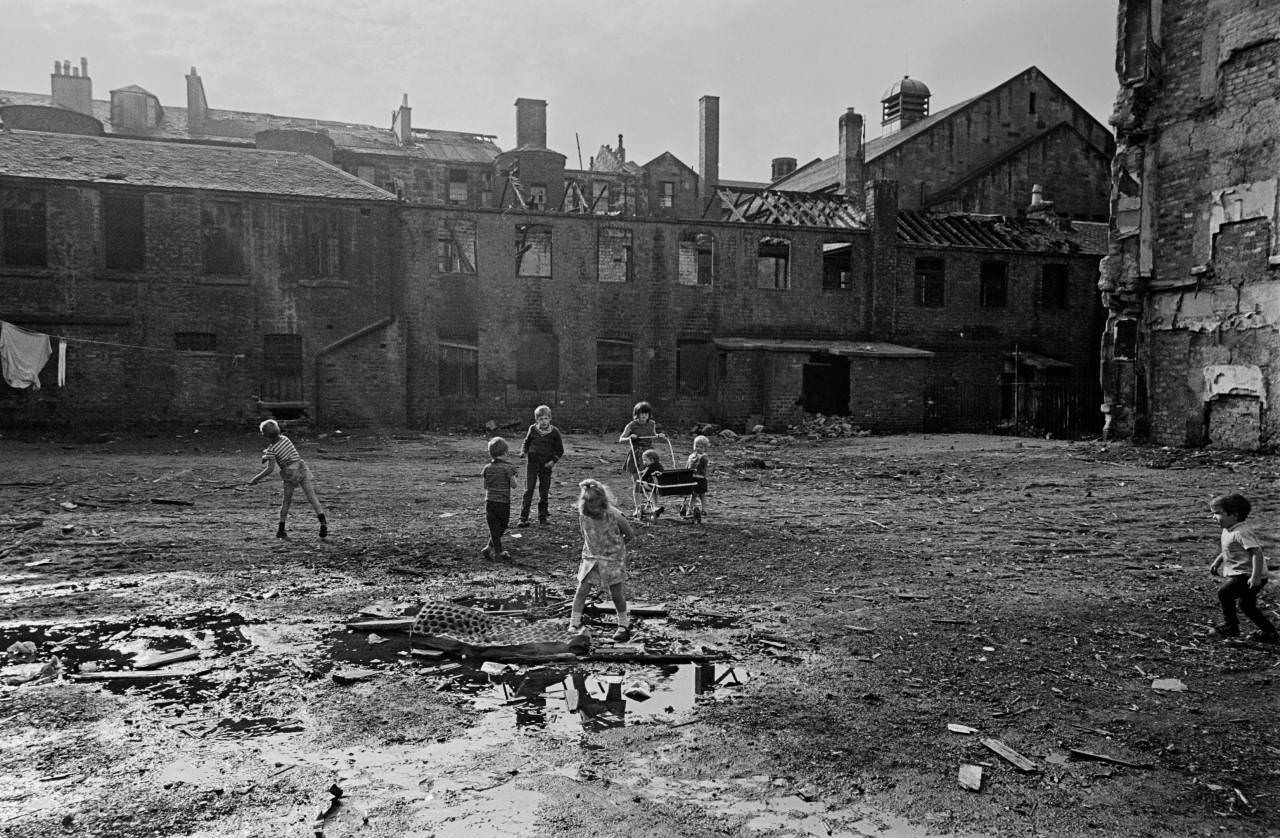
(1063, 410)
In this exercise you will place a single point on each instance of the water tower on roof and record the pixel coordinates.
(906, 101)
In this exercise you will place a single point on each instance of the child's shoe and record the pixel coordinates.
(280, 532)
(524, 522)
(504, 555)
(1261, 636)
(324, 528)
(542, 520)
(622, 635)
(1226, 630)
(697, 516)
(486, 553)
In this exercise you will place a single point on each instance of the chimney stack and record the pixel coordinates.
(197, 107)
(708, 146)
(851, 155)
(71, 88)
(531, 123)
(622, 152)
(402, 123)
(782, 166)
(1040, 209)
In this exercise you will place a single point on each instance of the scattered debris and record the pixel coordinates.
(1016, 759)
(634, 609)
(970, 776)
(964, 729)
(173, 502)
(353, 676)
(1076, 753)
(382, 625)
(166, 659)
(1172, 685)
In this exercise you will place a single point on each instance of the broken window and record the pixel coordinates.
(459, 369)
(837, 259)
(538, 362)
(614, 367)
(773, 259)
(195, 341)
(22, 228)
(222, 229)
(123, 231)
(993, 284)
(931, 279)
(1126, 339)
(1135, 45)
(533, 250)
(696, 258)
(613, 256)
(459, 186)
(324, 242)
(693, 367)
(667, 194)
(1053, 287)
(456, 247)
(537, 196)
(599, 196)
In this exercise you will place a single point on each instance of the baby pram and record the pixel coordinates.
(669, 483)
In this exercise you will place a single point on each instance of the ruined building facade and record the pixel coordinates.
(1190, 282)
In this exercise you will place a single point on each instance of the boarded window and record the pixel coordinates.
(931, 280)
(123, 231)
(459, 186)
(533, 250)
(837, 261)
(613, 256)
(459, 370)
(222, 230)
(195, 341)
(614, 367)
(694, 359)
(773, 263)
(456, 247)
(1053, 287)
(282, 367)
(696, 258)
(22, 228)
(324, 242)
(538, 362)
(993, 284)
(667, 194)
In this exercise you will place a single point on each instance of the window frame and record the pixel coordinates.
(667, 194)
(989, 283)
(700, 352)
(843, 276)
(451, 251)
(235, 256)
(610, 241)
(1055, 295)
(930, 289)
(124, 231)
(523, 248)
(618, 346)
(773, 269)
(24, 227)
(467, 369)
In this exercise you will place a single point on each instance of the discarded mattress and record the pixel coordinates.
(467, 631)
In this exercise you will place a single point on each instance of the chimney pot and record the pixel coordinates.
(70, 88)
(531, 123)
(57, 67)
(84, 66)
(851, 155)
(782, 166)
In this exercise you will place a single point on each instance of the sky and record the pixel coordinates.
(784, 72)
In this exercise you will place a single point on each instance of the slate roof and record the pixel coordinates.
(80, 159)
(998, 232)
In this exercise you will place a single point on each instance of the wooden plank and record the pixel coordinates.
(1079, 754)
(164, 660)
(381, 625)
(126, 675)
(1013, 757)
(634, 609)
(970, 776)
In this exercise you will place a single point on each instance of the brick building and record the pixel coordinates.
(427, 276)
(1190, 283)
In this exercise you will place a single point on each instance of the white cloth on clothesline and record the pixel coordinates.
(22, 355)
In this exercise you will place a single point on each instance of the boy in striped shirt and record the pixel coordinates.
(293, 473)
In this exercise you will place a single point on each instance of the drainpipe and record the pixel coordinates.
(341, 342)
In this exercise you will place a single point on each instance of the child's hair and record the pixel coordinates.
(641, 407)
(269, 427)
(497, 447)
(701, 440)
(595, 498)
(1233, 503)
(651, 456)
(540, 411)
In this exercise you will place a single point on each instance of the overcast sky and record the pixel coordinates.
(784, 71)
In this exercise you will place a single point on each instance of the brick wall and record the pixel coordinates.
(887, 394)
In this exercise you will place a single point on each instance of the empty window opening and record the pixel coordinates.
(696, 259)
(1031, 103)
(614, 368)
(931, 278)
(537, 196)
(222, 229)
(1053, 287)
(614, 256)
(22, 228)
(825, 384)
(459, 186)
(538, 362)
(124, 231)
(600, 196)
(837, 261)
(695, 361)
(1126, 339)
(993, 285)
(456, 247)
(459, 369)
(773, 263)
(533, 250)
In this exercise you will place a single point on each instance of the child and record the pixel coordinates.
(543, 446)
(605, 533)
(638, 432)
(499, 481)
(293, 473)
(1241, 562)
(697, 463)
(650, 467)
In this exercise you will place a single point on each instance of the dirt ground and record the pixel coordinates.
(845, 601)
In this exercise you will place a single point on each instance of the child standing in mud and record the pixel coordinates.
(499, 484)
(543, 447)
(294, 473)
(605, 534)
(1241, 562)
(697, 463)
(638, 432)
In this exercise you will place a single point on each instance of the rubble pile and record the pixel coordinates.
(820, 427)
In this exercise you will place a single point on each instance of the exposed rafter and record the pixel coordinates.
(788, 209)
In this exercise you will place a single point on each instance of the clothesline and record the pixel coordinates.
(68, 339)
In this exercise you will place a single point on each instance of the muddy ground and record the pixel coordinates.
(849, 599)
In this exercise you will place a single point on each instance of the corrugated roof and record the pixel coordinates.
(81, 159)
(834, 347)
(995, 232)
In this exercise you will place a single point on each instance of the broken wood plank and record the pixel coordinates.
(166, 659)
(970, 776)
(642, 657)
(634, 609)
(403, 624)
(962, 729)
(173, 502)
(432, 654)
(126, 675)
(1079, 754)
(1013, 757)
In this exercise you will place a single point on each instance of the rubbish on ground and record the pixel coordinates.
(375, 639)
(173, 502)
(426, 653)
(1013, 757)
(638, 690)
(126, 675)
(965, 729)
(634, 609)
(494, 668)
(166, 659)
(38, 563)
(862, 629)
(353, 676)
(68, 505)
(381, 625)
(970, 776)
(22, 650)
(952, 622)
(1079, 754)
(1172, 685)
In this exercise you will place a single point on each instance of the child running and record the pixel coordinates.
(293, 473)
(605, 533)
(499, 482)
(697, 463)
(1240, 560)
(639, 431)
(543, 446)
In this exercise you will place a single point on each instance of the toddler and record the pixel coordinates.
(650, 467)
(1241, 562)
(605, 533)
(499, 481)
(543, 447)
(293, 473)
(697, 463)
(638, 432)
